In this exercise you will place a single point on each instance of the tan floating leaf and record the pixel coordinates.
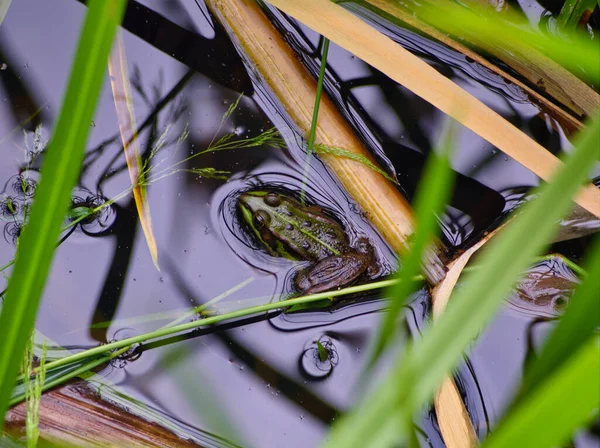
(119, 80)
(350, 32)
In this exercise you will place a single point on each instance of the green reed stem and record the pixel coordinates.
(313, 125)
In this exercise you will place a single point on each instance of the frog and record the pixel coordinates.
(287, 228)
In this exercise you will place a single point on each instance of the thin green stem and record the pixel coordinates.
(167, 331)
(570, 264)
(313, 125)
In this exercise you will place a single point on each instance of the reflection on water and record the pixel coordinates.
(268, 368)
(545, 290)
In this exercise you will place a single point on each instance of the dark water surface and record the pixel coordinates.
(261, 376)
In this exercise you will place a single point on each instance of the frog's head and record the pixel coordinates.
(267, 215)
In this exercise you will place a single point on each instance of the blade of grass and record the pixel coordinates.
(436, 187)
(170, 330)
(501, 264)
(571, 13)
(431, 199)
(579, 321)
(348, 31)
(119, 81)
(441, 347)
(313, 125)
(59, 174)
(565, 402)
(576, 53)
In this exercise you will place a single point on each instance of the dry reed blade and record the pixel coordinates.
(540, 70)
(119, 81)
(397, 11)
(351, 33)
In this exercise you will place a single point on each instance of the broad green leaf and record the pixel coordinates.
(60, 171)
(565, 402)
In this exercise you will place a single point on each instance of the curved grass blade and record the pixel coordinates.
(538, 420)
(59, 174)
(501, 264)
(119, 81)
(432, 196)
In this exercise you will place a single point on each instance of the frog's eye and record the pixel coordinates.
(261, 218)
(272, 199)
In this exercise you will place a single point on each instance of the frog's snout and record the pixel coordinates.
(249, 202)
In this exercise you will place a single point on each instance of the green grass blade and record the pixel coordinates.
(571, 13)
(59, 174)
(578, 323)
(434, 192)
(415, 377)
(481, 26)
(313, 125)
(538, 420)
(501, 264)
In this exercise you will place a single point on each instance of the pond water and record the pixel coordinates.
(258, 380)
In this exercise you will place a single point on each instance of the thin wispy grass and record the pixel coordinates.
(341, 152)
(33, 392)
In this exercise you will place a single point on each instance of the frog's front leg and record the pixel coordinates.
(331, 272)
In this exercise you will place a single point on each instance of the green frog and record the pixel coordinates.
(289, 229)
